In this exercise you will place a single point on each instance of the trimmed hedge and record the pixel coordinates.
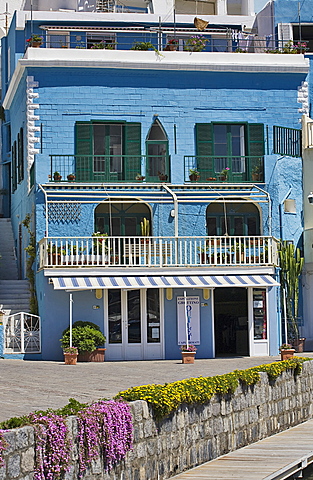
(165, 399)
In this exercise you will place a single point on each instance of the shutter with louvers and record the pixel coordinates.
(132, 150)
(205, 147)
(255, 145)
(84, 152)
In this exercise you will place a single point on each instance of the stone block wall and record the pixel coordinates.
(190, 436)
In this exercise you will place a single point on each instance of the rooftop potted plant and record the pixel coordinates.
(188, 353)
(71, 177)
(35, 41)
(196, 43)
(172, 45)
(255, 172)
(162, 177)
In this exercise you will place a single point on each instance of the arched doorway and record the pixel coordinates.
(120, 218)
(234, 219)
(157, 167)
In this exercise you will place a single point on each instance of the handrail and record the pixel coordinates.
(157, 251)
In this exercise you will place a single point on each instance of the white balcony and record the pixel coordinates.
(160, 252)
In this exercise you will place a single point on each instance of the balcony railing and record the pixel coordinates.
(156, 251)
(214, 168)
(109, 168)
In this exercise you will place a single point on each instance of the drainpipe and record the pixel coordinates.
(281, 213)
(175, 201)
(269, 209)
(46, 208)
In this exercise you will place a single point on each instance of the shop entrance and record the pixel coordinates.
(231, 321)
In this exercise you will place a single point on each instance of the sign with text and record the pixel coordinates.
(188, 320)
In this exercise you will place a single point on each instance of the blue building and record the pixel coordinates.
(157, 182)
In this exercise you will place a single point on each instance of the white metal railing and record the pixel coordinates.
(156, 251)
(22, 333)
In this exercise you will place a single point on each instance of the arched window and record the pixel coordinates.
(157, 153)
(234, 219)
(121, 219)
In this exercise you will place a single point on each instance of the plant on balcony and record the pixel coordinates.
(71, 177)
(194, 175)
(145, 229)
(100, 243)
(196, 43)
(103, 46)
(144, 46)
(224, 173)
(256, 172)
(139, 177)
(35, 41)
(171, 45)
(162, 177)
(57, 177)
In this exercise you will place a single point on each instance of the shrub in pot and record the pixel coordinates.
(86, 336)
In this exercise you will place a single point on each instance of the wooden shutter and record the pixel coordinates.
(84, 152)
(205, 150)
(132, 150)
(255, 135)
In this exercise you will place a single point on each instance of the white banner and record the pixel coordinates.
(189, 316)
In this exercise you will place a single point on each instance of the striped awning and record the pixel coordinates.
(160, 281)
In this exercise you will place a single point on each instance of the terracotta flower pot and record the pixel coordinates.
(286, 354)
(188, 357)
(95, 356)
(70, 358)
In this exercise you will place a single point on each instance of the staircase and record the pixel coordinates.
(14, 293)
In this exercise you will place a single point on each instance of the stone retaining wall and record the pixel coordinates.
(189, 437)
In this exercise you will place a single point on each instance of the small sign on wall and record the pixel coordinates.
(188, 320)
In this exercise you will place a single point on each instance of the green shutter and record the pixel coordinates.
(132, 150)
(204, 145)
(84, 151)
(255, 139)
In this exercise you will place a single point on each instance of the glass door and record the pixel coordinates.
(133, 324)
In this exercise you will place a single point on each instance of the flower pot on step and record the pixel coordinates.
(70, 358)
(188, 357)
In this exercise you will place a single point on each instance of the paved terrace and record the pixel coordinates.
(28, 385)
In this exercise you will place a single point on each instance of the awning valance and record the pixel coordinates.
(162, 281)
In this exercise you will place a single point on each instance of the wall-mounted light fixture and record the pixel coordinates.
(310, 197)
(172, 213)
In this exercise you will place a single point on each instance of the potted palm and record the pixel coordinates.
(57, 177)
(188, 353)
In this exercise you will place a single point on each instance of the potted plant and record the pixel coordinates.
(140, 177)
(171, 45)
(57, 177)
(143, 46)
(224, 174)
(71, 177)
(162, 177)
(196, 43)
(100, 244)
(145, 230)
(255, 173)
(35, 41)
(194, 175)
(188, 353)
(70, 355)
(87, 338)
(286, 351)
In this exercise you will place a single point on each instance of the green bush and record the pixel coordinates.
(86, 336)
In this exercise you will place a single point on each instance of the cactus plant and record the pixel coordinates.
(145, 227)
(291, 264)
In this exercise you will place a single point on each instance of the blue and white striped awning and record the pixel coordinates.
(162, 281)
